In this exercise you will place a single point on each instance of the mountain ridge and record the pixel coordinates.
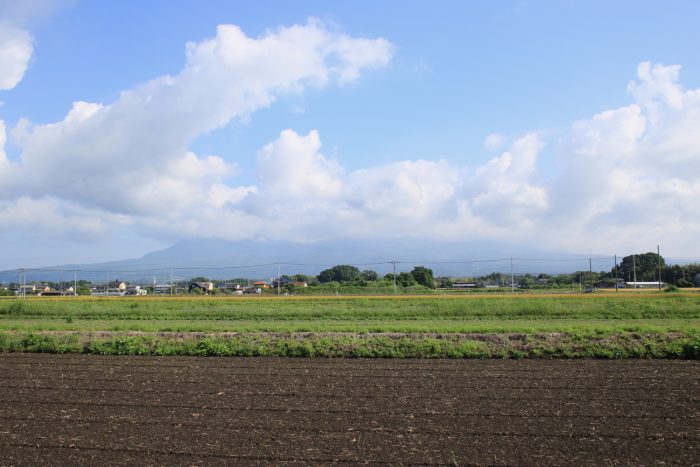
(221, 259)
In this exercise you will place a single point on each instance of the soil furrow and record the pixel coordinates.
(88, 410)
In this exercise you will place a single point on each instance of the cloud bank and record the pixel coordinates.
(625, 178)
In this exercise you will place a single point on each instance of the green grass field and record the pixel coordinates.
(649, 324)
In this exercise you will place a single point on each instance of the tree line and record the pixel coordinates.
(350, 275)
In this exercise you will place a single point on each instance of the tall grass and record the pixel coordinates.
(626, 345)
(605, 325)
(661, 306)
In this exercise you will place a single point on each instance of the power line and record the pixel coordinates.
(164, 270)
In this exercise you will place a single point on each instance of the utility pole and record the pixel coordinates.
(590, 272)
(616, 281)
(394, 263)
(171, 282)
(634, 270)
(75, 283)
(512, 279)
(279, 276)
(21, 289)
(658, 259)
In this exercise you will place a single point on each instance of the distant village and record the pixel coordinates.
(118, 287)
(646, 270)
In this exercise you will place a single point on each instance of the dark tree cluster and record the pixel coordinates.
(646, 266)
(340, 273)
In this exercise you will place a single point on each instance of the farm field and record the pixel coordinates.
(648, 324)
(86, 409)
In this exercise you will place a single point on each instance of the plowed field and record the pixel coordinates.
(80, 409)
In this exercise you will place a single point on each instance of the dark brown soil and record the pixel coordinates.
(78, 409)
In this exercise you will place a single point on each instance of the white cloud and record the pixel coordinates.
(631, 175)
(494, 141)
(657, 87)
(16, 47)
(132, 156)
(5, 167)
(625, 179)
(413, 190)
(503, 192)
(55, 218)
(293, 167)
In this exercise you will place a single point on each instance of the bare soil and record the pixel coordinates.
(96, 410)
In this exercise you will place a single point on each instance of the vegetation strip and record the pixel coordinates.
(553, 345)
(648, 325)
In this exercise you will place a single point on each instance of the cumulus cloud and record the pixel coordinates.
(304, 195)
(132, 156)
(631, 174)
(293, 167)
(16, 47)
(624, 178)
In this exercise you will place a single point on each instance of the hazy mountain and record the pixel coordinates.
(260, 259)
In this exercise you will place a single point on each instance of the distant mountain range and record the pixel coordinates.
(220, 259)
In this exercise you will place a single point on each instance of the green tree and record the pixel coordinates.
(84, 290)
(339, 273)
(686, 275)
(646, 266)
(302, 278)
(404, 279)
(423, 276)
(369, 275)
(444, 282)
(527, 281)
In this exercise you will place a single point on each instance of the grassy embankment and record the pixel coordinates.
(649, 324)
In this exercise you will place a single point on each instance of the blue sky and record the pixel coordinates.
(402, 141)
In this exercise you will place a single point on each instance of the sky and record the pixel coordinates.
(127, 126)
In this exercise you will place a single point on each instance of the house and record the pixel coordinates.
(162, 289)
(50, 293)
(229, 287)
(465, 285)
(201, 287)
(117, 285)
(261, 285)
(26, 289)
(644, 285)
(135, 290)
(57, 292)
(281, 282)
